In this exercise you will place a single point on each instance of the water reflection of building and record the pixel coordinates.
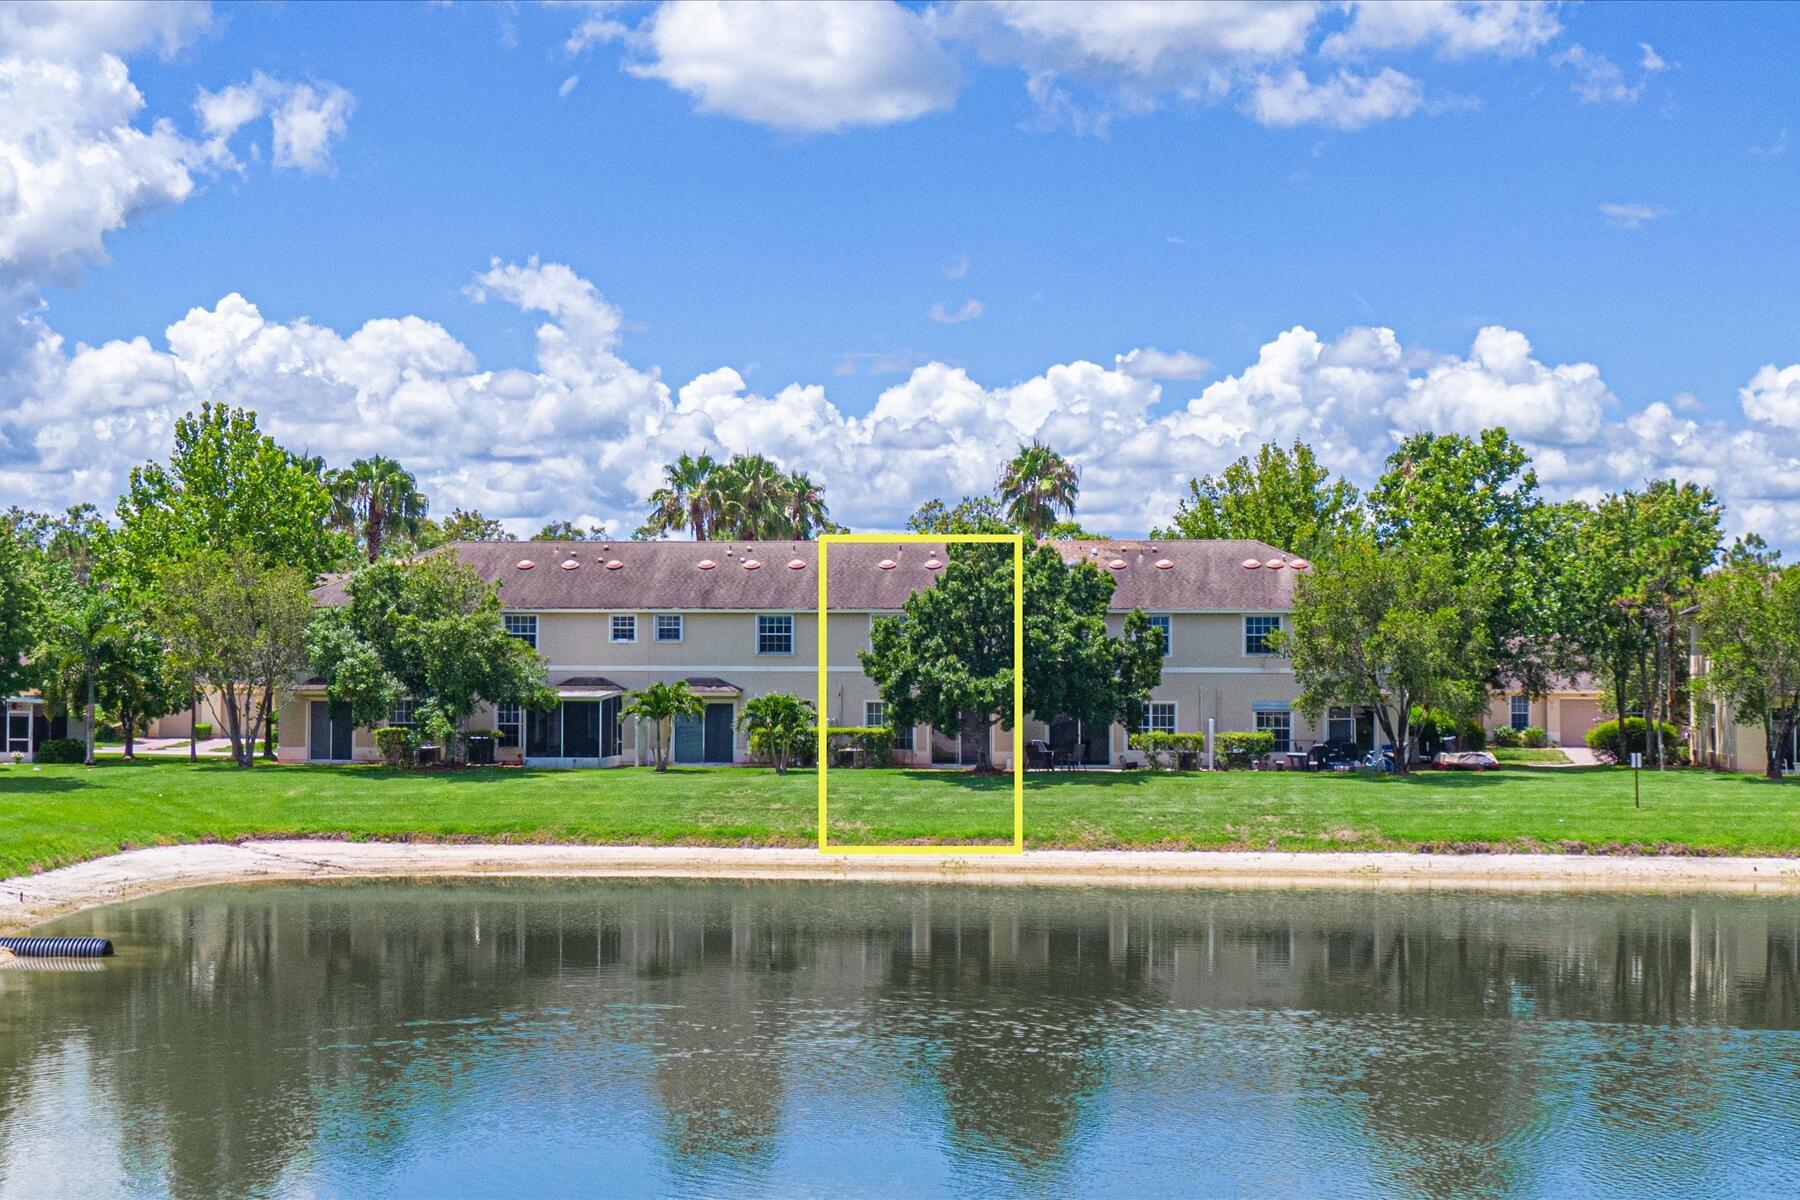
(268, 1021)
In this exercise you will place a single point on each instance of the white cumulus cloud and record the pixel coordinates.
(581, 429)
(802, 67)
(1147, 362)
(1454, 28)
(304, 120)
(1345, 100)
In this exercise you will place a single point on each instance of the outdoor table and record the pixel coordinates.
(1296, 760)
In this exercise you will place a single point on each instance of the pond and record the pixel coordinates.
(796, 1039)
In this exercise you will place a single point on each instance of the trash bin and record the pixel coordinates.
(481, 751)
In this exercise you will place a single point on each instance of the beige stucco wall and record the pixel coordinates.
(1206, 674)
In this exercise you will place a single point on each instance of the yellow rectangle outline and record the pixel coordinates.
(826, 540)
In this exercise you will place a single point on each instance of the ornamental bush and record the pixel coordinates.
(1534, 737)
(61, 750)
(1604, 739)
(1161, 750)
(396, 744)
(202, 730)
(1240, 747)
(1506, 738)
(875, 741)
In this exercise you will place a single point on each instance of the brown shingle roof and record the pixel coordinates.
(1202, 575)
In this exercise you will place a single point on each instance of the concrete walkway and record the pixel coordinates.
(30, 899)
(1580, 756)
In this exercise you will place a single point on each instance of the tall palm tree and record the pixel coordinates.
(757, 491)
(375, 499)
(688, 498)
(1036, 484)
(806, 511)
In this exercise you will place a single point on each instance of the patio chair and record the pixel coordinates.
(1038, 756)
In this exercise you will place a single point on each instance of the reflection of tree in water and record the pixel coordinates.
(1012, 1022)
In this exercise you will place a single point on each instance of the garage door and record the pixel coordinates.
(1578, 716)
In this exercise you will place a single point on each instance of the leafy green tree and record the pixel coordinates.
(21, 600)
(1284, 498)
(376, 501)
(1749, 624)
(75, 644)
(1389, 628)
(1475, 500)
(1073, 666)
(429, 630)
(779, 723)
(227, 485)
(469, 525)
(134, 681)
(229, 619)
(1036, 485)
(949, 659)
(661, 704)
(971, 514)
(568, 531)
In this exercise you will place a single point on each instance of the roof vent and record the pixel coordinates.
(1250, 564)
(887, 564)
(1117, 564)
(933, 563)
(795, 564)
(569, 564)
(706, 564)
(750, 564)
(1298, 564)
(1275, 564)
(524, 564)
(1163, 564)
(613, 564)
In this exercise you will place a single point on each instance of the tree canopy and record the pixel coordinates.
(746, 498)
(1036, 485)
(430, 631)
(1283, 497)
(1390, 628)
(1749, 623)
(377, 502)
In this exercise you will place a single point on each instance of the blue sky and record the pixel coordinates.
(1610, 183)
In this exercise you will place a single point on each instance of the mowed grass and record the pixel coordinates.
(54, 815)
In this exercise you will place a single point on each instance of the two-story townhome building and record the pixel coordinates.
(739, 619)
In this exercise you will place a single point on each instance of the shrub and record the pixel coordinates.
(1161, 750)
(62, 750)
(396, 744)
(1533, 737)
(1507, 738)
(202, 730)
(875, 741)
(1471, 735)
(1604, 739)
(1240, 747)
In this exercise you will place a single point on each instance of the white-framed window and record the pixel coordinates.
(1340, 725)
(1165, 623)
(509, 721)
(402, 712)
(1159, 717)
(1520, 714)
(669, 627)
(522, 626)
(1278, 720)
(624, 627)
(1256, 634)
(874, 713)
(774, 633)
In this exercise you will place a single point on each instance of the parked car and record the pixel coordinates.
(1466, 760)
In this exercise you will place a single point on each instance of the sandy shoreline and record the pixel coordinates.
(30, 899)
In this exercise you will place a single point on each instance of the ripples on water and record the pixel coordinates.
(785, 1039)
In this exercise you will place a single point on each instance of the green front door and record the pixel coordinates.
(690, 739)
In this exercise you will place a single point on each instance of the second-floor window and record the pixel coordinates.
(1521, 712)
(624, 628)
(668, 627)
(1166, 625)
(522, 626)
(1256, 634)
(774, 633)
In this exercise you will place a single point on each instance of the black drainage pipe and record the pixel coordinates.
(58, 947)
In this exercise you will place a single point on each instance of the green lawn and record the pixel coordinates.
(55, 815)
(1525, 754)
